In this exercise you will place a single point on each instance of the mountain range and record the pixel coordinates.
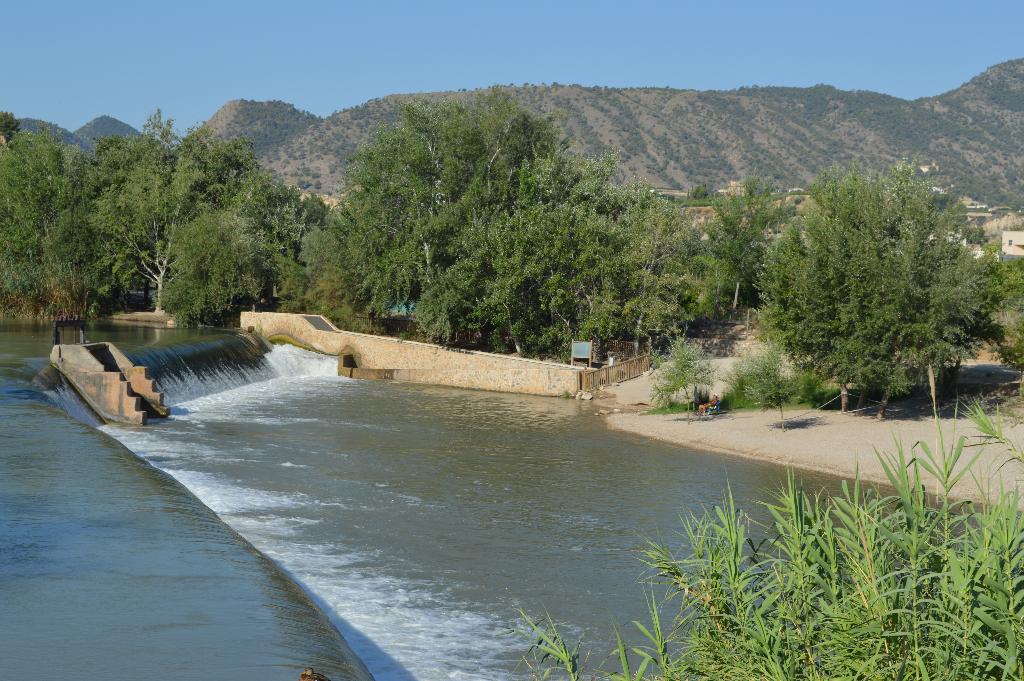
(971, 137)
(968, 141)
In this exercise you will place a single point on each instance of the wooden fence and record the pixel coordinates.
(623, 349)
(592, 379)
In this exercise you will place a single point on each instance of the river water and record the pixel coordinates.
(419, 519)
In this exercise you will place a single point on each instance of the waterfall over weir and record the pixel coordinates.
(199, 368)
(189, 371)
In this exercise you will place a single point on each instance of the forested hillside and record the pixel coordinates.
(679, 138)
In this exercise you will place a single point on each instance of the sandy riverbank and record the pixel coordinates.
(821, 441)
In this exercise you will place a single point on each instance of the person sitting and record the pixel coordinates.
(709, 407)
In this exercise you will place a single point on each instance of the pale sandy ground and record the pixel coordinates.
(825, 441)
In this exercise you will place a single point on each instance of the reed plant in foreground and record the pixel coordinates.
(908, 585)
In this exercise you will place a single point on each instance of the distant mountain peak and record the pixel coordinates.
(103, 126)
(269, 124)
(999, 88)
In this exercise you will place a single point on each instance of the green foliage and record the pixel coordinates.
(699, 192)
(48, 259)
(218, 264)
(812, 391)
(550, 653)
(738, 238)
(78, 231)
(688, 367)
(1011, 349)
(766, 380)
(145, 197)
(877, 284)
(325, 285)
(899, 586)
(809, 392)
(153, 186)
(1008, 285)
(8, 125)
(474, 213)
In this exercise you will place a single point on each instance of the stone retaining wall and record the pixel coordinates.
(417, 362)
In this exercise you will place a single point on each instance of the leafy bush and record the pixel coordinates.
(812, 391)
(767, 381)
(863, 585)
(688, 367)
(1011, 349)
(808, 391)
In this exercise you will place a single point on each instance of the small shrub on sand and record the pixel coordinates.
(688, 367)
(767, 381)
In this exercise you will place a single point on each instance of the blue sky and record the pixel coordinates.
(70, 61)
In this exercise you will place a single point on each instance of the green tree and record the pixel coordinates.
(1008, 283)
(50, 260)
(1011, 349)
(688, 367)
(217, 264)
(738, 238)
(145, 200)
(700, 192)
(767, 380)
(152, 185)
(877, 285)
(656, 265)
(416, 186)
(474, 214)
(8, 125)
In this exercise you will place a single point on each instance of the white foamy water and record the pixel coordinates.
(401, 628)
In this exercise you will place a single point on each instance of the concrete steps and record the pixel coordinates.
(113, 387)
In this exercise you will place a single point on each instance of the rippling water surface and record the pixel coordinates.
(422, 518)
(110, 569)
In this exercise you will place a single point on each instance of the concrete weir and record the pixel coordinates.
(113, 387)
(366, 356)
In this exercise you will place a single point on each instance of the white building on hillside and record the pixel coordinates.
(1013, 245)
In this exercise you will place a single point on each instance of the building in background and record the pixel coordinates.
(1013, 245)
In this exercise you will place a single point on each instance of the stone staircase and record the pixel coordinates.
(113, 387)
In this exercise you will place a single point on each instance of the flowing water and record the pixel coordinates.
(420, 519)
(110, 569)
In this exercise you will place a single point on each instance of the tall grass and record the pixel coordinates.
(906, 586)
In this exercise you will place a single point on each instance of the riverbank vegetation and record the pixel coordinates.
(475, 216)
(191, 219)
(875, 285)
(472, 219)
(901, 585)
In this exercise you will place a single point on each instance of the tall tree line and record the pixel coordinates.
(476, 216)
(192, 218)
